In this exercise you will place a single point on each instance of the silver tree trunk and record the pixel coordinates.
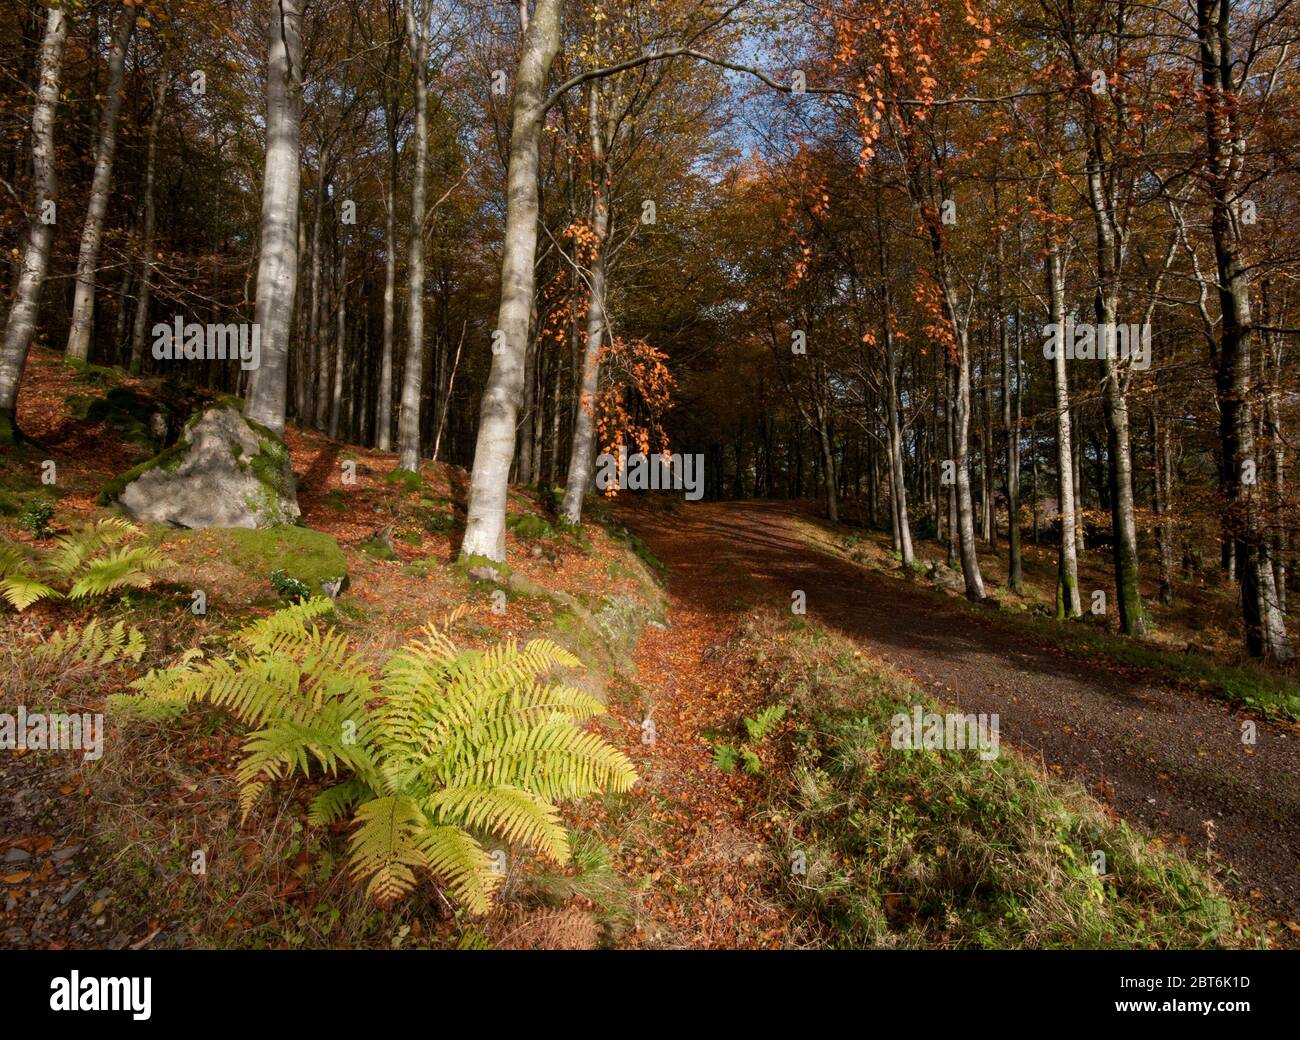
(340, 341)
(582, 454)
(277, 269)
(408, 422)
(92, 233)
(485, 529)
(384, 419)
(21, 325)
(1068, 603)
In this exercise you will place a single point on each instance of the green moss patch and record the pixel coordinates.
(299, 552)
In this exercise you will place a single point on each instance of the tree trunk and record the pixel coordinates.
(408, 423)
(318, 371)
(970, 565)
(582, 454)
(486, 521)
(340, 340)
(1161, 505)
(277, 268)
(147, 258)
(92, 234)
(1265, 625)
(21, 325)
(384, 413)
(1011, 426)
(1068, 603)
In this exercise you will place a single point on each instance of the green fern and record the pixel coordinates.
(441, 748)
(761, 726)
(79, 657)
(90, 646)
(725, 756)
(90, 562)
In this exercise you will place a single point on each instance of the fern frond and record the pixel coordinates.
(384, 848)
(336, 802)
(473, 939)
(73, 550)
(762, 724)
(261, 635)
(21, 591)
(121, 568)
(13, 561)
(462, 863)
(287, 746)
(248, 795)
(90, 645)
(516, 815)
(459, 743)
(555, 760)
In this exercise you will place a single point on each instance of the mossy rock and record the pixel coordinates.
(225, 471)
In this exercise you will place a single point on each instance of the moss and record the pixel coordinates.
(95, 375)
(530, 526)
(273, 469)
(409, 479)
(237, 403)
(377, 548)
(439, 523)
(300, 552)
(466, 564)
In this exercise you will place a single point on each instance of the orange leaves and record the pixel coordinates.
(636, 393)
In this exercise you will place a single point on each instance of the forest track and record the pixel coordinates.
(1164, 758)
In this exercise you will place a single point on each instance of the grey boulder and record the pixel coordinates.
(223, 472)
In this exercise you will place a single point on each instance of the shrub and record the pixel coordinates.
(290, 587)
(438, 750)
(35, 518)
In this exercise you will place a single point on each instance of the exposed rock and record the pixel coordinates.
(224, 472)
(483, 574)
(945, 577)
(334, 587)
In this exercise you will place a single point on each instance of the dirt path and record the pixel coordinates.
(1166, 759)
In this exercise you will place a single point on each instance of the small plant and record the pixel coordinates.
(440, 749)
(726, 756)
(764, 722)
(289, 587)
(90, 562)
(35, 518)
